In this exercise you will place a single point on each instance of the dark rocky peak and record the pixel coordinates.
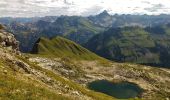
(42, 23)
(103, 19)
(1, 27)
(104, 14)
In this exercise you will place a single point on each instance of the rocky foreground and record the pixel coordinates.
(154, 81)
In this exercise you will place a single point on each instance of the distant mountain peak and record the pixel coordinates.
(104, 13)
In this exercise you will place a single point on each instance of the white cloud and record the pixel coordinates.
(28, 8)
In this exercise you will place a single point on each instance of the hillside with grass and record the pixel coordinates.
(61, 47)
(134, 44)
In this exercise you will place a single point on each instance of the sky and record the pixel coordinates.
(37, 8)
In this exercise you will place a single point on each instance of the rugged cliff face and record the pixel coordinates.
(8, 41)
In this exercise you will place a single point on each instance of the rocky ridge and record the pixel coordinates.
(8, 41)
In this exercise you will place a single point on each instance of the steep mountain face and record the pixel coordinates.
(104, 19)
(78, 29)
(27, 34)
(133, 44)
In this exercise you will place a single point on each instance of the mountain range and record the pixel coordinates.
(140, 39)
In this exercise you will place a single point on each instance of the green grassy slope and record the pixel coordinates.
(16, 86)
(61, 47)
(132, 44)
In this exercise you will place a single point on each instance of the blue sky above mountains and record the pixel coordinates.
(31, 8)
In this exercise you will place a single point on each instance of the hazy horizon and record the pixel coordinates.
(40, 8)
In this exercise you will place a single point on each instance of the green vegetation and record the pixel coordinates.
(81, 31)
(11, 88)
(61, 47)
(15, 86)
(133, 44)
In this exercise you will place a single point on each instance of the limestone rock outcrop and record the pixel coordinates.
(8, 41)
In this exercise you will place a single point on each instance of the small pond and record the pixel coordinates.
(120, 90)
